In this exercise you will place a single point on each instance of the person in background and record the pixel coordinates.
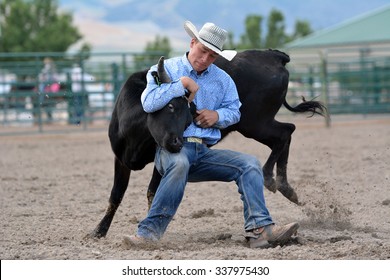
(48, 83)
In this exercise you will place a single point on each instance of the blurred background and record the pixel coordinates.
(62, 63)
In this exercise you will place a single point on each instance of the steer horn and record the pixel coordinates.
(162, 74)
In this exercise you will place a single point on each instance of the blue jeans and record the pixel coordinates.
(196, 163)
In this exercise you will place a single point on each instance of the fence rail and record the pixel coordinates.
(78, 92)
(28, 102)
(349, 80)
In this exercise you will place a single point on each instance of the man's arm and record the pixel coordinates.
(229, 112)
(155, 96)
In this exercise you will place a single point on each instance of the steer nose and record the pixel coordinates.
(177, 141)
(177, 144)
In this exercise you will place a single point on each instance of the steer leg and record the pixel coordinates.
(268, 167)
(121, 181)
(278, 137)
(281, 175)
(153, 185)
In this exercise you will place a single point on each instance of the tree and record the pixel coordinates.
(161, 46)
(35, 26)
(276, 36)
(252, 38)
(302, 29)
(229, 45)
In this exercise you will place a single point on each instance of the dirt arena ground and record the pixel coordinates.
(55, 187)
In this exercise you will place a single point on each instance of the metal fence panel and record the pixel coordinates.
(353, 84)
(31, 102)
(74, 91)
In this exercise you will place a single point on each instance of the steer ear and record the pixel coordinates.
(162, 74)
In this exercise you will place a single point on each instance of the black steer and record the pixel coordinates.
(261, 79)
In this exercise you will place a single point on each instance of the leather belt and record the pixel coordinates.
(194, 140)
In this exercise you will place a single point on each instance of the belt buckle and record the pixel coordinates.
(195, 140)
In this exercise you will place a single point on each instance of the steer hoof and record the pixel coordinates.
(289, 193)
(93, 235)
(150, 197)
(270, 184)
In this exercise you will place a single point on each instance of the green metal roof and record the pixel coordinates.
(372, 27)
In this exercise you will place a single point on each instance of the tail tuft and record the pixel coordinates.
(312, 106)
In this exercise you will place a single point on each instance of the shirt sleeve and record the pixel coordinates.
(155, 97)
(229, 111)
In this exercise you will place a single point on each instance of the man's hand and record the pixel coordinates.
(206, 118)
(191, 86)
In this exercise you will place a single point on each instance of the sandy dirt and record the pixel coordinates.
(55, 188)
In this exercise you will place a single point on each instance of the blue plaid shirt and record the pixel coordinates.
(217, 92)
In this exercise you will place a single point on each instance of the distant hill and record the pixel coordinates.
(129, 24)
(170, 14)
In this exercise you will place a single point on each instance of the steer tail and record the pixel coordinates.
(314, 107)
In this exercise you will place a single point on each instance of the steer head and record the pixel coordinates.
(168, 124)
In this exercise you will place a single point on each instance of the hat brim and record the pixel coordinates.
(193, 32)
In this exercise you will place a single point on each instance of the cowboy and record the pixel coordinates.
(215, 95)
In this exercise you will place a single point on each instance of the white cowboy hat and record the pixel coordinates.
(212, 37)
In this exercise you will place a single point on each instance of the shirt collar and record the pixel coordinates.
(189, 67)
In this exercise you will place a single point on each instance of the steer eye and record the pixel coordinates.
(171, 107)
